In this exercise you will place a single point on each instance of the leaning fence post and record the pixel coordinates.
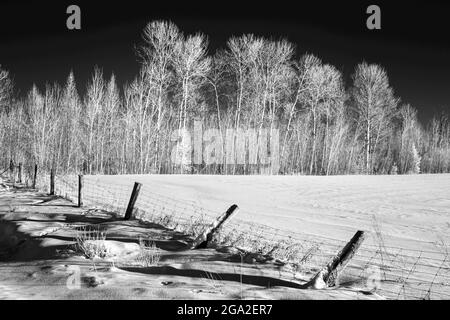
(52, 182)
(35, 176)
(133, 198)
(206, 236)
(80, 190)
(328, 276)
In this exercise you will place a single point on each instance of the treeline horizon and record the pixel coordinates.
(325, 126)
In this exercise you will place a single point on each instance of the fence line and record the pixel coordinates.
(406, 273)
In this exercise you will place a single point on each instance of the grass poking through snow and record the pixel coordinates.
(90, 241)
(149, 255)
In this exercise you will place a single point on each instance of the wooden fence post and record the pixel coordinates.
(35, 176)
(205, 238)
(80, 191)
(20, 172)
(11, 171)
(133, 198)
(328, 276)
(52, 182)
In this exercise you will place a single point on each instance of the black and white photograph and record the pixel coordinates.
(234, 151)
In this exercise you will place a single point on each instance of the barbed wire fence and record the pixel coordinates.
(393, 272)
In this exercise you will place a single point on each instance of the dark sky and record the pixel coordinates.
(413, 44)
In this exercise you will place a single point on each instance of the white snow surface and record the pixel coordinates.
(411, 209)
(406, 217)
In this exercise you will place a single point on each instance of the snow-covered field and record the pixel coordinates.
(413, 210)
(44, 255)
(407, 216)
(406, 253)
(406, 219)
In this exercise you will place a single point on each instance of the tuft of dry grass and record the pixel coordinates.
(213, 281)
(149, 255)
(90, 241)
(196, 225)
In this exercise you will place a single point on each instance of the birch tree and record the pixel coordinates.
(70, 115)
(191, 65)
(375, 104)
(5, 88)
(109, 127)
(323, 91)
(92, 113)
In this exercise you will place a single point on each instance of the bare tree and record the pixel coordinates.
(375, 103)
(322, 95)
(160, 41)
(109, 127)
(409, 138)
(302, 68)
(70, 112)
(5, 88)
(252, 83)
(239, 57)
(191, 65)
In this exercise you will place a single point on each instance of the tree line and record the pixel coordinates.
(325, 126)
